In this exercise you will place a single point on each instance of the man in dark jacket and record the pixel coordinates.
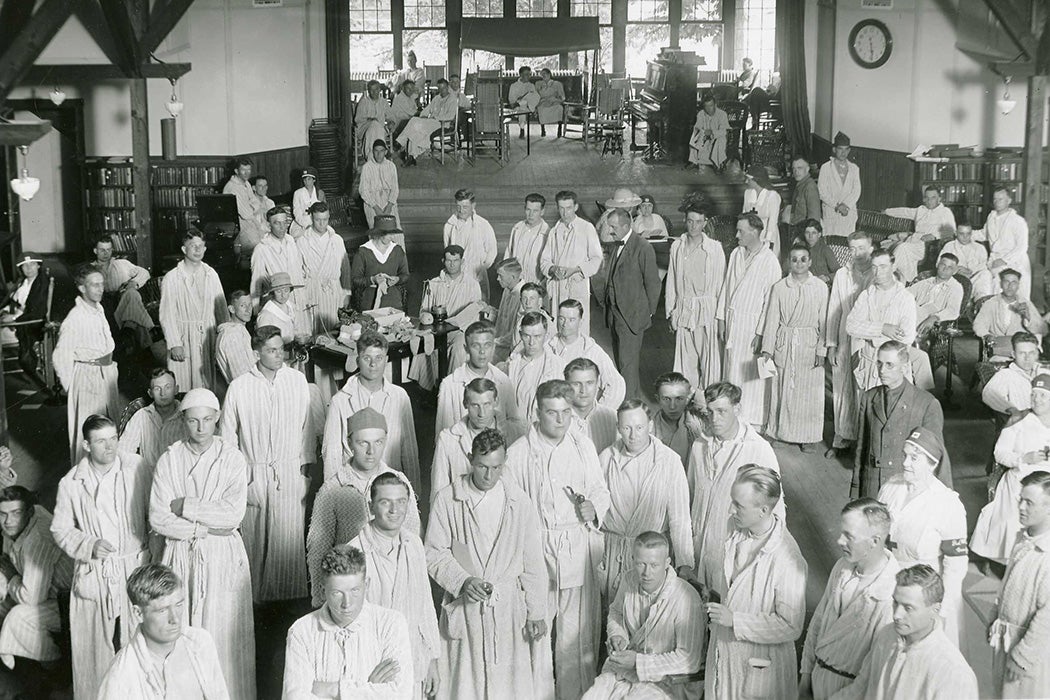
(888, 414)
(28, 303)
(631, 296)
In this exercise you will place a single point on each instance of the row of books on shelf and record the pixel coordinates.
(952, 194)
(109, 177)
(179, 196)
(188, 174)
(112, 220)
(110, 197)
(952, 171)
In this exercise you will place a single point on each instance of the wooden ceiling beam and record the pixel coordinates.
(1016, 21)
(37, 33)
(65, 73)
(119, 20)
(162, 20)
(14, 14)
(90, 14)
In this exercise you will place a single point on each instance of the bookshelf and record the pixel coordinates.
(109, 203)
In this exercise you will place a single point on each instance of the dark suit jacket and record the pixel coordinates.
(880, 439)
(632, 292)
(36, 303)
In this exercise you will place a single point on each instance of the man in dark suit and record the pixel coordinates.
(27, 303)
(888, 415)
(631, 295)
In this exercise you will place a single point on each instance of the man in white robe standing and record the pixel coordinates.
(166, 658)
(884, 311)
(571, 257)
(1018, 635)
(850, 280)
(472, 232)
(558, 469)
(728, 444)
(398, 578)
(348, 648)
(33, 572)
(158, 426)
(267, 415)
(192, 305)
(276, 252)
(1007, 234)
(248, 205)
(530, 365)
(379, 188)
(453, 446)
(857, 602)
(761, 606)
(326, 271)
(484, 547)
(590, 418)
(83, 359)
(570, 344)
(369, 387)
(101, 523)
(528, 238)
(933, 221)
(753, 270)
(655, 627)
(648, 491)
(197, 504)
(839, 187)
(480, 341)
(913, 658)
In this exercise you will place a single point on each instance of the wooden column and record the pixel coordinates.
(454, 28)
(140, 172)
(619, 21)
(1033, 156)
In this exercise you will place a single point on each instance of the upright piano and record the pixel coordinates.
(667, 104)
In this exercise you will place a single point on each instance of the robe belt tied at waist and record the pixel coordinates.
(491, 644)
(618, 550)
(272, 468)
(828, 667)
(114, 581)
(104, 361)
(1003, 635)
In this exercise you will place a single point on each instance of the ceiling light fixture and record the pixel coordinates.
(1006, 104)
(24, 185)
(174, 105)
(57, 95)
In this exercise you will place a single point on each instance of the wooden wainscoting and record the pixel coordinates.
(282, 167)
(887, 178)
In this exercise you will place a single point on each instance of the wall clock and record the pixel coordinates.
(870, 43)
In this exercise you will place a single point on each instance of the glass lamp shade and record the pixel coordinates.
(174, 106)
(57, 96)
(25, 186)
(1006, 105)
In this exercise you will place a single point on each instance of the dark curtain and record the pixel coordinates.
(534, 36)
(791, 27)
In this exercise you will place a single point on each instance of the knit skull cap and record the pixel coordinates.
(199, 398)
(365, 419)
(927, 441)
(1042, 381)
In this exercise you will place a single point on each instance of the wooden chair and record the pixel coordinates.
(446, 139)
(942, 339)
(49, 334)
(608, 121)
(431, 75)
(489, 130)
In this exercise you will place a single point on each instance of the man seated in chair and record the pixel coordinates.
(1009, 390)
(932, 220)
(939, 298)
(370, 118)
(523, 96)
(707, 145)
(655, 625)
(28, 303)
(973, 260)
(1007, 313)
(415, 138)
(404, 106)
(123, 279)
(551, 107)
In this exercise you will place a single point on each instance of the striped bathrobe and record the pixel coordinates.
(572, 549)
(612, 388)
(270, 422)
(402, 452)
(1020, 631)
(742, 305)
(526, 375)
(599, 425)
(484, 653)
(233, 351)
(768, 600)
(192, 304)
(397, 579)
(647, 491)
(130, 309)
(340, 511)
(845, 288)
(83, 338)
(667, 632)
(205, 549)
(712, 469)
(149, 435)
(478, 240)
(875, 308)
(794, 336)
(271, 256)
(694, 278)
(450, 397)
(98, 604)
(842, 629)
(326, 274)
(572, 245)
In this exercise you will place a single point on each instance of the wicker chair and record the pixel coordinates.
(736, 137)
(942, 339)
(840, 247)
(880, 225)
(722, 228)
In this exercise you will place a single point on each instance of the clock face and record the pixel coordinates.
(870, 43)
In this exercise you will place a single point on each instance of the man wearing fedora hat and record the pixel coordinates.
(248, 206)
(379, 187)
(761, 198)
(276, 252)
(839, 187)
(28, 303)
(304, 198)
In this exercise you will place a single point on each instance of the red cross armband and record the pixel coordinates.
(954, 548)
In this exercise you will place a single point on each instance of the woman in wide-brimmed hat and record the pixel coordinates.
(380, 268)
(648, 223)
(623, 198)
(280, 310)
(761, 198)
